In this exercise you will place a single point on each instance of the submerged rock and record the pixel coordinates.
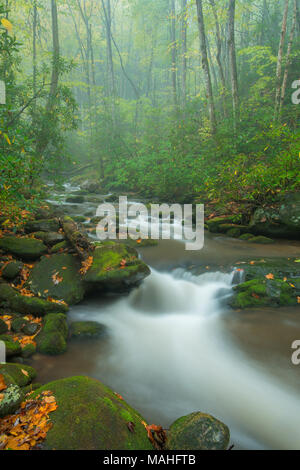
(58, 276)
(198, 431)
(79, 199)
(92, 417)
(115, 267)
(22, 247)
(12, 299)
(87, 329)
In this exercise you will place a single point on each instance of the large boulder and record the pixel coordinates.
(58, 276)
(264, 293)
(52, 340)
(92, 417)
(49, 238)
(12, 299)
(198, 431)
(19, 374)
(22, 247)
(12, 270)
(280, 268)
(115, 267)
(279, 221)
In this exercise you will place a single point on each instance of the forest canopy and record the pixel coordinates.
(174, 99)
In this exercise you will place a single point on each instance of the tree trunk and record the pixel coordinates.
(110, 63)
(279, 59)
(205, 66)
(233, 65)
(34, 57)
(184, 51)
(288, 58)
(77, 238)
(174, 52)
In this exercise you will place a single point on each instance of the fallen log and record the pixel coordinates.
(77, 238)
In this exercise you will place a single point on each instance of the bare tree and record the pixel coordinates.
(233, 64)
(280, 58)
(184, 50)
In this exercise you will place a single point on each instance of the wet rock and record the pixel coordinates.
(246, 236)
(18, 323)
(261, 239)
(12, 270)
(52, 340)
(92, 186)
(59, 247)
(87, 329)
(12, 398)
(115, 267)
(28, 350)
(12, 348)
(30, 329)
(22, 247)
(12, 299)
(66, 284)
(79, 199)
(21, 375)
(97, 417)
(263, 293)
(215, 223)
(198, 431)
(49, 238)
(233, 233)
(280, 268)
(43, 225)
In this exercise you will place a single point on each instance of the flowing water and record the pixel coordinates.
(173, 347)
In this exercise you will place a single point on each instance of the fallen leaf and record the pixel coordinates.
(270, 276)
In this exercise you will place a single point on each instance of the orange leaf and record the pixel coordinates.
(270, 276)
(2, 383)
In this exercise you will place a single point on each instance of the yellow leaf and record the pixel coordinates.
(25, 372)
(7, 139)
(7, 24)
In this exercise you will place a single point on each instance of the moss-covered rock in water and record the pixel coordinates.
(43, 225)
(115, 266)
(21, 374)
(87, 329)
(246, 236)
(262, 240)
(224, 228)
(28, 350)
(59, 247)
(233, 233)
(75, 199)
(198, 431)
(280, 268)
(11, 298)
(52, 340)
(49, 238)
(12, 398)
(12, 270)
(24, 248)
(215, 223)
(58, 277)
(3, 327)
(12, 348)
(91, 417)
(263, 293)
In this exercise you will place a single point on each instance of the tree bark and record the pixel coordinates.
(233, 65)
(280, 58)
(174, 52)
(184, 51)
(205, 66)
(77, 238)
(288, 58)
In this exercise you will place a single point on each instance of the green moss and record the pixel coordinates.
(24, 248)
(233, 233)
(89, 417)
(215, 223)
(3, 327)
(28, 350)
(198, 431)
(11, 298)
(42, 225)
(12, 270)
(52, 338)
(262, 240)
(66, 267)
(246, 236)
(12, 348)
(12, 398)
(18, 323)
(15, 371)
(59, 246)
(87, 329)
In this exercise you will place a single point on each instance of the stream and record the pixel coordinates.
(174, 347)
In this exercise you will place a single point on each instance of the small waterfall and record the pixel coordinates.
(169, 356)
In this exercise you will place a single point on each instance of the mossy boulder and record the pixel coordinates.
(261, 239)
(21, 374)
(115, 266)
(198, 431)
(12, 398)
(233, 233)
(12, 270)
(87, 329)
(52, 340)
(263, 293)
(91, 417)
(42, 225)
(49, 238)
(3, 327)
(28, 350)
(246, 236)
(224, 228)
(215, 223)
(79, 199)
(79, 218)
(12, 348)
(30, 329)
(66, 284)
(22, 247)
(281, 268)
(11, 298)
(18, 323)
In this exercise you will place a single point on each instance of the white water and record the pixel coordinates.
(168, 356)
